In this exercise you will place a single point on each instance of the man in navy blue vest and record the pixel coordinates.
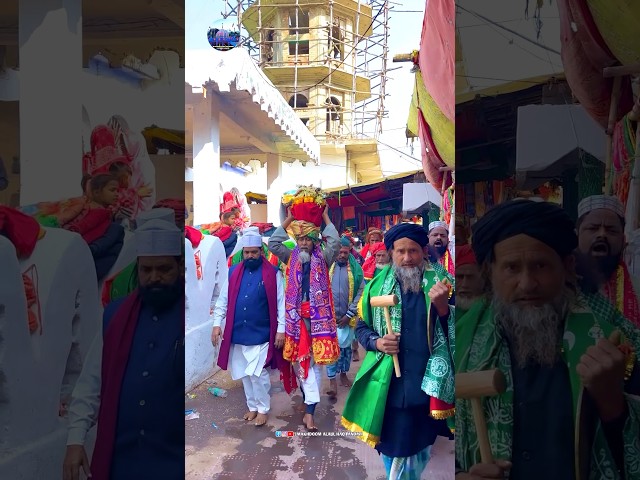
(132, 382)
(252, 303)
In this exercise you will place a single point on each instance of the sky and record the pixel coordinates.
(405, 26)
(493, 54)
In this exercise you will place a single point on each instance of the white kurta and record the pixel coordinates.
(246, 362)
(85, 403)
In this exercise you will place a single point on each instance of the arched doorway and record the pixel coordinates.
(334, 114)
(299, 101)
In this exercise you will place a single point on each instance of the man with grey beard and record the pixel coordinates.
(567, 375)
(307, 286)
(402, 416)
(469, 281)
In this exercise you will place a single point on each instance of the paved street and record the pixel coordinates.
(238, 449)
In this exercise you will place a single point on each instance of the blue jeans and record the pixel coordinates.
(342, 365)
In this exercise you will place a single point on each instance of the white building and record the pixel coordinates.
(57, 57)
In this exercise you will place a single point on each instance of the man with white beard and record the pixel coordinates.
(310, 325)
(402, 416)
(567, 409)
(469, 281)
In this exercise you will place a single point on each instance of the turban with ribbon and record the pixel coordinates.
(301, 228)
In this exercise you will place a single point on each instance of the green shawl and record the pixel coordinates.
(367, 399)
(481, 347)
(125, 282)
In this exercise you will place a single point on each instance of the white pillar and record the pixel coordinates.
(206, 160)
(50, 38)
(274, 188)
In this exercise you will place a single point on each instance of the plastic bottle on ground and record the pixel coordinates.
(218, 392)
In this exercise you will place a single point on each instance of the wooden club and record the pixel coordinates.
(473, 386)
(386, 301)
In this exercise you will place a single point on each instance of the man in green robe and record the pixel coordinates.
(396, 415)
(567, 412)
(469, 282)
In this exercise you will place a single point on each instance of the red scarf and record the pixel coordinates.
(274, 356)
(193, 235)
(118, 339)
(21, 229)
(619, 290)
(369, 266)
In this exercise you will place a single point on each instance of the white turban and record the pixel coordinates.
(438, 224)
(158, 238)
(166, 214)
(251, 238)
(596, 202)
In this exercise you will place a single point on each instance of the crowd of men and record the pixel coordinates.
(548, 301)
(315, 312)
(551, 304)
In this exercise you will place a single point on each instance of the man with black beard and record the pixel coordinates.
(568, 410)
(133, 377)
(439, 243)
(252, 304)
(600, 244)
(401, 416)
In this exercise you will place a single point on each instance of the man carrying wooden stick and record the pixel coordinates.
(401, 416)
(566, 412)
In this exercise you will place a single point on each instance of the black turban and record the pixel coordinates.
(544, 221)
(406, 230)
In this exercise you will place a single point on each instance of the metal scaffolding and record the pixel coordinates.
(349, 101)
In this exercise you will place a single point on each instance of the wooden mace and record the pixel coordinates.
(386, 301)
(474, 386)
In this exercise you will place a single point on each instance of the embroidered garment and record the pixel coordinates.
(481, 347)
(323, 341)
(365, 405)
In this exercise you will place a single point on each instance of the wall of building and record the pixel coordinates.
(38, 371)
(169, 169)
(141, 103)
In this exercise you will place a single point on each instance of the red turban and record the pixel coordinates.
(465, 256)
(175, 204)
(369, 266)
